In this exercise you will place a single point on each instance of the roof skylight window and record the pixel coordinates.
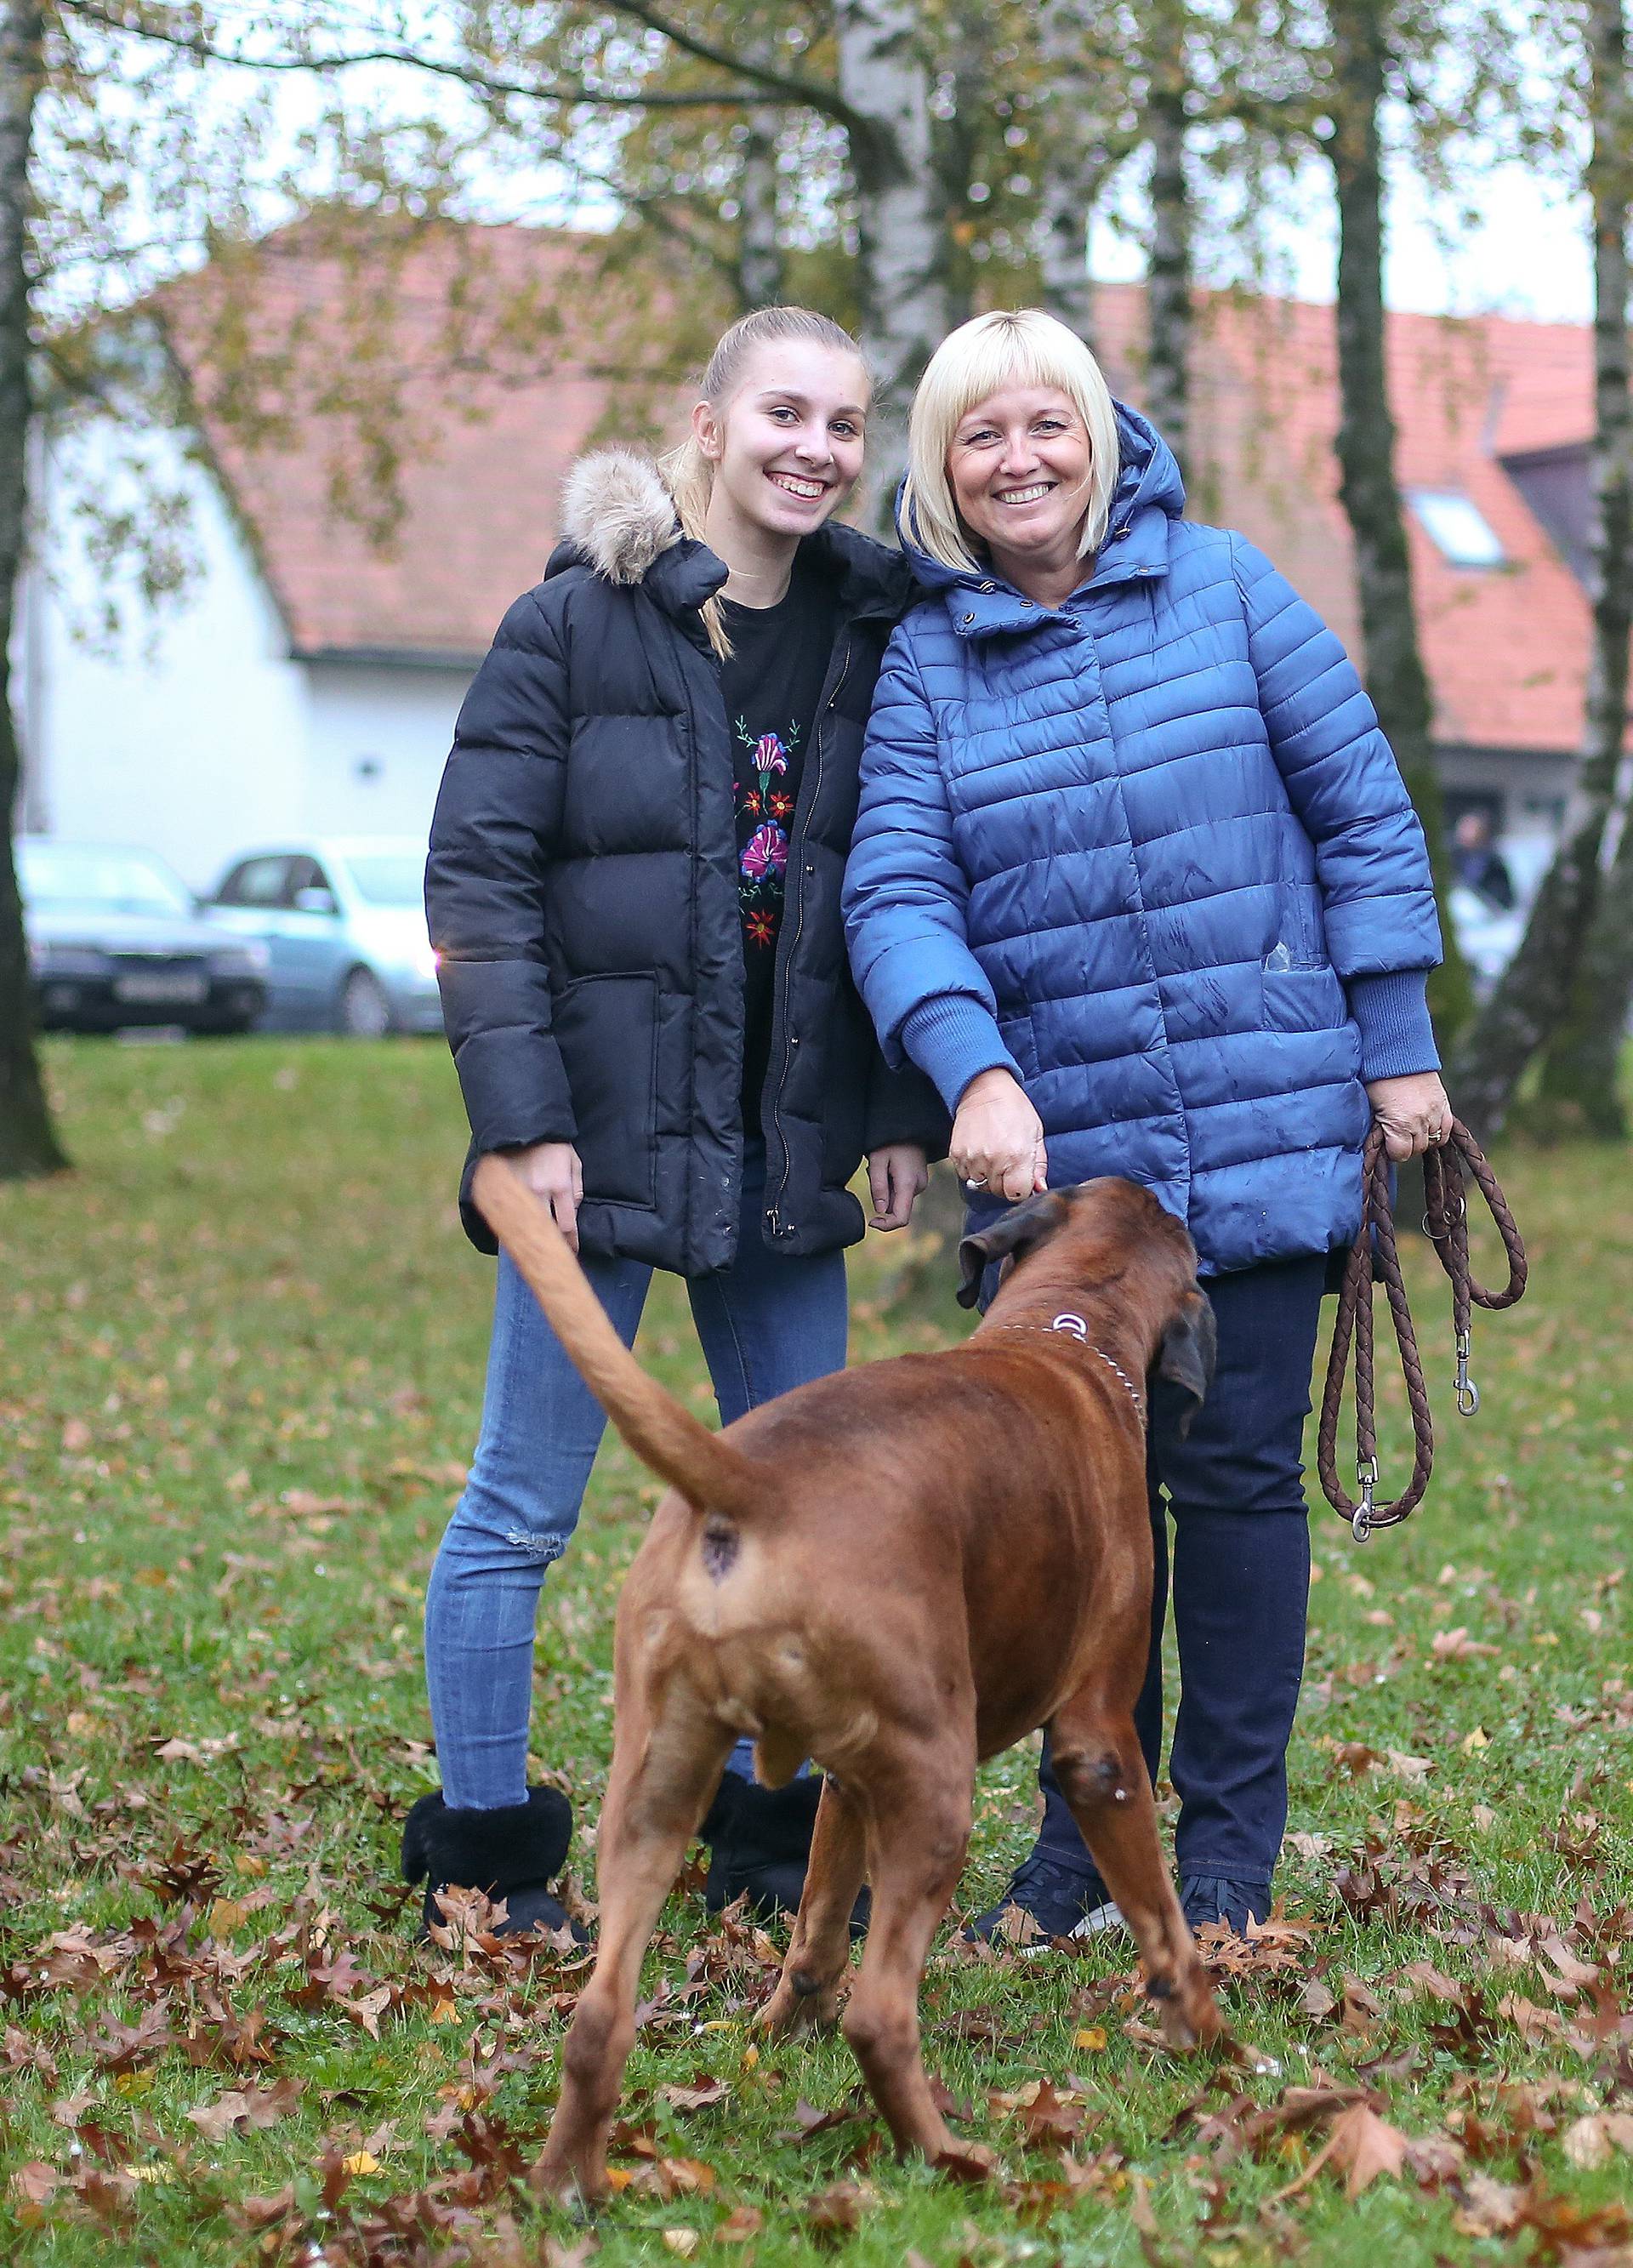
(1459, 530)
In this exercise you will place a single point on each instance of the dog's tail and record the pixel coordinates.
(708, 1472)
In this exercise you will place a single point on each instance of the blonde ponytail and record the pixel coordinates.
(688, 474)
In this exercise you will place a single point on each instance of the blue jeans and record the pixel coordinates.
(767, 1324)
(1240, 1584)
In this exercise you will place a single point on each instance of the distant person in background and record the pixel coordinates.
(1477, 862)
(633, 892)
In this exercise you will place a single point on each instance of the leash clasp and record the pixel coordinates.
(1467, 1392)
(1073, 1326)
(1361, 1525)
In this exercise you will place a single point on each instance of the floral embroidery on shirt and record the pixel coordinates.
(762, 862)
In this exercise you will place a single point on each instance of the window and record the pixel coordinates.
(1457, 528)
(257, 882)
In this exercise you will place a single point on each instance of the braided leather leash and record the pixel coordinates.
(1445, 1221)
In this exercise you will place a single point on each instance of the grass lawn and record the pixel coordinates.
(240, 1365)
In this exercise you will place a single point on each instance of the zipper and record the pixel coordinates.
(684, 635)
(787, 945)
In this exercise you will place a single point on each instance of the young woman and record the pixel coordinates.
(1136, 880)
(634, 888)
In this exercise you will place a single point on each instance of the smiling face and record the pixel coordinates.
(1019, 468)
(787, 448)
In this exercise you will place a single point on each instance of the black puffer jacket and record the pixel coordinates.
(582, 893)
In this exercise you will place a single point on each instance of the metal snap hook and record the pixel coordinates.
(1467, 1392)
(1074, 1325)
(1361, 1524)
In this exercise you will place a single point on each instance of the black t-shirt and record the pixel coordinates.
(772, 683)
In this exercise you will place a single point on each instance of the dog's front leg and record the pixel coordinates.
(1102, 1775)
(818, 1952)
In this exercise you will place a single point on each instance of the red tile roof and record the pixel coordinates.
(485, 435)
(469, 384)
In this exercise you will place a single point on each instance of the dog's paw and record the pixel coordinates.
(966, 2161)
(575, 2183)
(1189, 2015)
(789, 2014)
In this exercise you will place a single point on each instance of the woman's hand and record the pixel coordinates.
(551, 1171)
(1415, 1113)
(998, 1139)
(895, 1175)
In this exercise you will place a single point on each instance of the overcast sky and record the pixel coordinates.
(1529, 256)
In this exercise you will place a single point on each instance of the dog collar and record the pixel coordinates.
(1071, 1326)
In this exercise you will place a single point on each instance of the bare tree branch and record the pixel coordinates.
(470, 74)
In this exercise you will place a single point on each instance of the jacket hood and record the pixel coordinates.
(1150, 489)
(617, 515)
(618, 519)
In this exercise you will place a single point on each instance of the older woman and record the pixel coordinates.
(1137, 882)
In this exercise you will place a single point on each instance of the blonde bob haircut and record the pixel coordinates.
(981, 358)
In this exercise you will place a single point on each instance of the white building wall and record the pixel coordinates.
(379, 733)
(190, 737)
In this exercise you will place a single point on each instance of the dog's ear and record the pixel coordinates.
(1011, 1237)
(1183, 1370)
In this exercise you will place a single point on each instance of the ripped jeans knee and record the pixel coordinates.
(541, 1549)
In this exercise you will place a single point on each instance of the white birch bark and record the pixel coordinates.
(885, 82)
(760, 256)
(1076, 159)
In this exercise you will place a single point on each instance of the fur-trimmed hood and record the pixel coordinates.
(617, 514)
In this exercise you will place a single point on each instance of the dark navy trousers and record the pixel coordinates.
(1238, 1572)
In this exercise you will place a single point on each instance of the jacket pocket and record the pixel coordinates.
(1302, 999)
(606, 1029)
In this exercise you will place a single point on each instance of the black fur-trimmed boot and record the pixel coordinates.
(514, 1853)
(759, 1843)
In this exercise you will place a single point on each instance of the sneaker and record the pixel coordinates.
(1059, 1898)
(1215, 1898)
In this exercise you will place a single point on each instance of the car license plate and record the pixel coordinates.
(161, 989)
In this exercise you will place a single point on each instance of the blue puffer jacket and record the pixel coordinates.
(1135, 848)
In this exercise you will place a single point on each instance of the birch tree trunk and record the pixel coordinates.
(760, 254)
(1581, 1071)
(884, 82)
(964, 59)
(1547, 982)
(1395, 676)
(28, 1144)
(1168, 280)
(1074, 160)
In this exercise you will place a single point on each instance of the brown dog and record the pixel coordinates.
(896, 1570)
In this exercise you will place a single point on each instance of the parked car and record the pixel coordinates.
(114, 940)
(342, 923)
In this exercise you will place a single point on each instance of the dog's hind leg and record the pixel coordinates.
(1102, 1775)
(660, 1788)
(918, 1822)
(818, 1952)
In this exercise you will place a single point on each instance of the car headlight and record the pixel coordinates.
(246, 959)
(47, 958)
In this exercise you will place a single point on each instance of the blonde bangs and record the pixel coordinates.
(981, 358)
